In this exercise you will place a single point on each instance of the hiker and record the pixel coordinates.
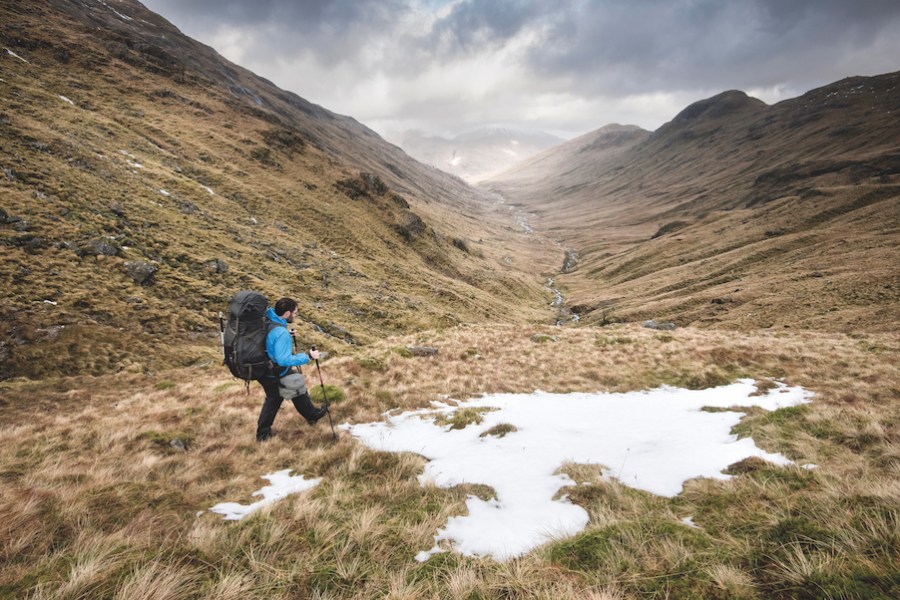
(283, 381)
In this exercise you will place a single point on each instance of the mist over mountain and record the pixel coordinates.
(476, 154)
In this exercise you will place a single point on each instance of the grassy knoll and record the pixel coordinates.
(98, 502)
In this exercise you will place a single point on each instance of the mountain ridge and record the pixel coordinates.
(147, 179)
(827, 159)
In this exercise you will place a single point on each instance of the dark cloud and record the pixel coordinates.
(332, 30)
(548, 63)
(643, 46)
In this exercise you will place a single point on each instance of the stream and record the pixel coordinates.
(563, 314)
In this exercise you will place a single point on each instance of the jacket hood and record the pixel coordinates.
(270, 314)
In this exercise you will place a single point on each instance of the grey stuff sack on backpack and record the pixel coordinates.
(291, 386)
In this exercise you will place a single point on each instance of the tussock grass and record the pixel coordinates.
(96, 502)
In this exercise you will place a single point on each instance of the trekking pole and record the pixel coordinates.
(222, 335)
(325, 396)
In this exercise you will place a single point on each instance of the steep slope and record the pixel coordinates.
(145, 179)
(734, 213)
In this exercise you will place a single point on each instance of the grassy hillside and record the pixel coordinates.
(99, 502)
(734, 214)
(145, 180)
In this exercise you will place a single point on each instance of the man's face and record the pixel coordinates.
(289, 316)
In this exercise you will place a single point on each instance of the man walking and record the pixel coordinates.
(284, 381)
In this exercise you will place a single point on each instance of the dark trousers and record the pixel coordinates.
(272, 403)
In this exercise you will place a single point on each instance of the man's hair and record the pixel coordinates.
(284, 305)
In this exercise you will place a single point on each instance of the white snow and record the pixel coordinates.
(211, 193)
(117, 13)
(652, 440)
(164, 192)
(14, 55)
(283, 485)
(64, 99)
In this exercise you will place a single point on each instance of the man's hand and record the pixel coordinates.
(314, 354)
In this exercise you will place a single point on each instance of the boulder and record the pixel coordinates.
(422, 350)
(217, 266)
(100, 247)
(142, 272)
(651, 324)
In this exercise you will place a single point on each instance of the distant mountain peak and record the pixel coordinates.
(477, 153)
(721, 105)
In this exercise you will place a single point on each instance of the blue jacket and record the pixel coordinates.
(280, 346)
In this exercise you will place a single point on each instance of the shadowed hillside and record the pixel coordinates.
(145, 179)
(735, 213)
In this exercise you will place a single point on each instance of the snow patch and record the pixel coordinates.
(64, 99)
(211, 193)
(14, 55)
(164, 193)
(283, 485)
(652, 440)
(117, 13)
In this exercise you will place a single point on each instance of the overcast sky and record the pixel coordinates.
(562, 66)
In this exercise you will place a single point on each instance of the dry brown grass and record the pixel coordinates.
(96, 502)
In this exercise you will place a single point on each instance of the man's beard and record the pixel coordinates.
(290, 319)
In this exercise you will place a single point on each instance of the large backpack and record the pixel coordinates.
(244, 338)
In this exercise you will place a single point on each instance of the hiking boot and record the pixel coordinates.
(316, 415)
(265, 434)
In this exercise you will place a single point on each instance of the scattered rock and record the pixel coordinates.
(187, 207)
(422, 350)
(117, 209)
(540, 338)
(100, 247)
(4, 217)
(217, 266)
(651, 324)
(21, 225)
(142, 272)
(178, 444)
(717, 301)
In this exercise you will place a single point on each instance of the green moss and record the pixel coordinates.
(372, 363)
(403, 351)
(462, 418)
(164, 385)
(334, 394)
(224, 386)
